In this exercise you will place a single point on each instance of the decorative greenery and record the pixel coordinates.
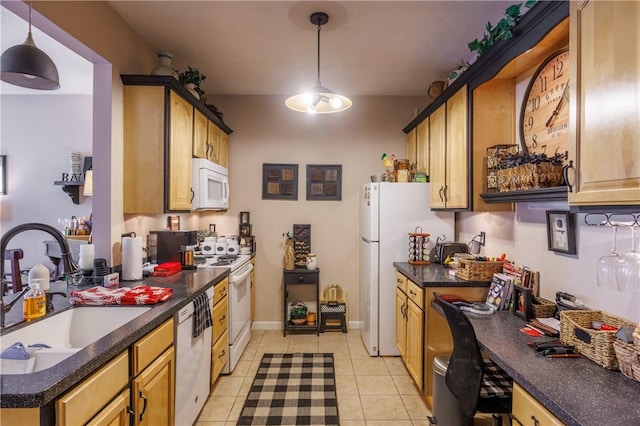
(298, 310)
(192, 75)
(501, 31)
(288, 235)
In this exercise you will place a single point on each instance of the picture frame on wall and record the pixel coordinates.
(245, 230)
(324, 182)
(561, 234)
(279, 181)
(244, 218)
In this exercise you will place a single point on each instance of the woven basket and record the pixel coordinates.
(475, 270)
(636, 338)
(575, 329)
(627, 357)
(529, 176)
(543, 308)
(636, 372)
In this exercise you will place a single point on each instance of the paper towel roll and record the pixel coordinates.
(87, 254)
(131, 258)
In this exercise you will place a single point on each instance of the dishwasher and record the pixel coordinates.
(193, 365)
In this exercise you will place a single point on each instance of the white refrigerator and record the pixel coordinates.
(388, 213)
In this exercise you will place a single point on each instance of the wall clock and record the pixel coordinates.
(544, 116)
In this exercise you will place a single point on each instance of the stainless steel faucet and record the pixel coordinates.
(68, 264)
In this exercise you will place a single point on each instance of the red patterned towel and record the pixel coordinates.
(140, 295)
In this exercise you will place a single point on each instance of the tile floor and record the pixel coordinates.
(371, 391)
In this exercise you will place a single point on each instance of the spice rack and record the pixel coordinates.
(419, 247)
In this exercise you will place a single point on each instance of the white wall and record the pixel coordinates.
(265, 131)
(37, 134)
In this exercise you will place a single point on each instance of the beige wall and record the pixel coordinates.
(265, 131)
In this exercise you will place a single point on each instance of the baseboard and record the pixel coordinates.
(277, 325)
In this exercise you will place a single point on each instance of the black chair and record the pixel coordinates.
(13, 256)
(478, 384)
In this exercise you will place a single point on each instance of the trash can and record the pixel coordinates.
(446, 410)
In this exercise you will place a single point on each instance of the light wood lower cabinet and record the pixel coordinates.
(117, 413)
(153, 392)
(410, 327)
(252, 278)
(219, 338)
(527, 411)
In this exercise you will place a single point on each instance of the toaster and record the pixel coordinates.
(444, 249)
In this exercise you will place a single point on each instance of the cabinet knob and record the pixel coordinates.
(301, 279)
(144, 405)
(535, 421)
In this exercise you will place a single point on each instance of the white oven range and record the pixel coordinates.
(239, 315)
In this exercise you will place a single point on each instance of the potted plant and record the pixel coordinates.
(298, 313)
(191, 78)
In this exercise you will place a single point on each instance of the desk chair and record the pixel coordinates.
(478, 384)
(13, 256)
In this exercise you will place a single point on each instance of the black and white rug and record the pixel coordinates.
(292, 389)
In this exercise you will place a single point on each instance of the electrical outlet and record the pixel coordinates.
(482, 237)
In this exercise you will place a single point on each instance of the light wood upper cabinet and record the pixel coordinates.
(152, 183)
(605, 103)
(422, 146)
(448, 152)
(200, 135)
(213, 142)
(180, 150)
(223, 150)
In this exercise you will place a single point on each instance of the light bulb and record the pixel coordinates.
(307, 99)
(336, 103)
(311, 109)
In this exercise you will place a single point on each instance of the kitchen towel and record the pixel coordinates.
(140, 295)
(146, 295)
(201, 314)
(131, 258)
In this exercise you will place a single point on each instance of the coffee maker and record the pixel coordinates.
(166, 246)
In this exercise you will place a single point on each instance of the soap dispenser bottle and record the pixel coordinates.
(35, 302)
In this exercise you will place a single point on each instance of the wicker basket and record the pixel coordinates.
(543, 308)
(475, 270)
(575, 329)
(636, 338)
(529, 176)
(627, 357)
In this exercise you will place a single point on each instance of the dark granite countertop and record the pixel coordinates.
(577, 391)
(434, 275)
(42, 387)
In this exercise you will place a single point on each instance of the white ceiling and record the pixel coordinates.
(269, 47)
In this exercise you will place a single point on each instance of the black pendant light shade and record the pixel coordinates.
(27, 66)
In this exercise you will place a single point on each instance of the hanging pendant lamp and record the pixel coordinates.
(27, 66)
(319, 100)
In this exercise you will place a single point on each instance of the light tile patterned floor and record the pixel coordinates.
(371, 391)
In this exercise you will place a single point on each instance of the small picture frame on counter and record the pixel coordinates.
(245, 230)
(561, 234)
(244, 218)
(173, 223)
(521, 302)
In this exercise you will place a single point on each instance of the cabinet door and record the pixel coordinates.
(253, 292)
(220, 321)
(604, 108)
(422, 148)
(200, 147)
(154, 392)
(219, 356)
(115, 414)
(214, 142)
(415, 331)
(401, 323)
(529, 412)
(223, 149)
(411, 146)
(437, 147)
(180, 149)
(457, 152)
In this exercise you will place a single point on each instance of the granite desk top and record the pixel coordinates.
(42, 387)
(434, 275)
(577, 391)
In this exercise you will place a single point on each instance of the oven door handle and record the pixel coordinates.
(237, 279)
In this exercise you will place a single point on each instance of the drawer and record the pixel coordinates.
(147, 349)
(529, 412)
(220, 318)
(401, 281)
(415, 293)
(220, 290)
(85, 400)
(302, 277)
(219, 356)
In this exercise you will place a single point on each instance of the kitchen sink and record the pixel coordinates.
(71, 330)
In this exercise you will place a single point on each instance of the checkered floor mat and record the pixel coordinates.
(292, 389)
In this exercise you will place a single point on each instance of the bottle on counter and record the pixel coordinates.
(74, 225)
(34, 304)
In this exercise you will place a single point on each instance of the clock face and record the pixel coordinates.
(544, 118)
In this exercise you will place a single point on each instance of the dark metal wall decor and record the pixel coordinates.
(279, 181)
(324, 182)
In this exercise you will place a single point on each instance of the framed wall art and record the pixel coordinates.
(324, 182)
(561, 232)
(244, 218)
(279, 181)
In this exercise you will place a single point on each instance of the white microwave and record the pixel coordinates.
(210, 185)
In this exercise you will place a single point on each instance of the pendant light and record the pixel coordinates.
(319, 99)
(27, 66)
